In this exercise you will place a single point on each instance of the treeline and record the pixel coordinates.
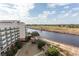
(58, 25)
(68, 26)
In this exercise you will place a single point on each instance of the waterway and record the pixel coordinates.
(59, 37)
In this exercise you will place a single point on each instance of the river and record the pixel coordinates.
(59, 37)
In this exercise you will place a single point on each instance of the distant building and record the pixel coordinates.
(10, 31)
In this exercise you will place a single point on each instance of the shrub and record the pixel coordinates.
(11, 51)
(35, 34)
(18, 44)
(40, 44)
(28, 38)
(14, 48)
(52, 51)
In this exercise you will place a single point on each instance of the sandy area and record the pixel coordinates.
(67, 49)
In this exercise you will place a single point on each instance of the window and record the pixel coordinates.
(2, 33)
(4, 45)
(2, 28)
(12, 33)
(9, 42)
(9, 39)
(8, 31)
(8, 35)
(13, 40)
(3, 41)
(3, 37)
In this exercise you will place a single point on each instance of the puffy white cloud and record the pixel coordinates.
(44, 15)
(39, 19)
(8, 17)
(54, 4)
(75, 14)
(65, 14)
(53, 12)
(62, 4)
(7, 12)
(18, 12)
(23, 9)
(51, 5)
(75, 9)
(66, 7)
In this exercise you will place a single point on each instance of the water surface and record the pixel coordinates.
(59, 37)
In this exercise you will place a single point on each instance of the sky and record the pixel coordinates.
(40, 13)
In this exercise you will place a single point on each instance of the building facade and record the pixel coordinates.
(8, 36)
(22, 29)
(10, 31)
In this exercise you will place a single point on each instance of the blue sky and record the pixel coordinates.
(56, 13)
(41, 13)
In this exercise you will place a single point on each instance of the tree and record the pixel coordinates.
(9, 52)
(40, 44)
(18, 44)
(35, 34)
(52, 51)
(28, 38)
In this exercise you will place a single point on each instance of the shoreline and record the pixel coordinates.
(59, 31)
(67, 49)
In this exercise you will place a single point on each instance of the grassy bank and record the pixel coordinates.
(60, 29)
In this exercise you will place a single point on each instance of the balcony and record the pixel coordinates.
(3, 37)
(3, 42)
(2, 33)
(4, 45)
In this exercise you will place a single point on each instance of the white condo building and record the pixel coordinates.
(10, 31)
